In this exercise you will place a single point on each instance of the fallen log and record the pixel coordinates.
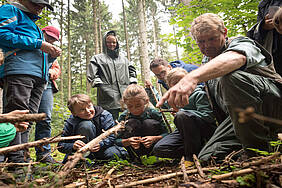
(22, 118)
(43, 141)
(163, 177)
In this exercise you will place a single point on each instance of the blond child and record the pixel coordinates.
(145, 125)
(195, 124)
(89, 121)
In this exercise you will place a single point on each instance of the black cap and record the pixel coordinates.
(45, 2)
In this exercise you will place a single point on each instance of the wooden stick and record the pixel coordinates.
(183, 168)
(43, 141)
(245, 171)
(245, 115)
(22, 118)
(261, 161)
(17, 164)
(165, 119)
(79, 154)
(198, 166)
(160, 178)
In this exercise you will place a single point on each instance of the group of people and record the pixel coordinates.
(235, 74)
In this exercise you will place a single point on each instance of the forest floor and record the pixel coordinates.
(264, 171)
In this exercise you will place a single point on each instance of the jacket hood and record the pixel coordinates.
(112, 53)
(177, 63)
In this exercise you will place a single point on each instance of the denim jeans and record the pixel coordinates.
(43, 128)
(21, 92)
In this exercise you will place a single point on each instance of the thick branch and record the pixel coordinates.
(37, 143)
(72, 161)
(160, 178)
(22, 118)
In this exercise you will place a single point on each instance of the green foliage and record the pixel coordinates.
(238, 16)
(265, 153)
(148, 160)
(248, 180)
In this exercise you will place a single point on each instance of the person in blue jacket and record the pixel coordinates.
(89, 121)
(161, 67)
(25, 69)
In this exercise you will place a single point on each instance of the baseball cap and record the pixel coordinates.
(52, 32)
(45, 2)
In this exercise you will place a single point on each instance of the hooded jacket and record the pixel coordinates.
(102, 119)
(111, 73)
(21, 40)
(181, 64)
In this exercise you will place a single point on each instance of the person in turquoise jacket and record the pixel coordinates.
(195, 124)
(25, 68)
(144, 125)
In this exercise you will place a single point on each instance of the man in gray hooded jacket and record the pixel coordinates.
(111, 73)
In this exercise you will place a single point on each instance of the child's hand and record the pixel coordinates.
(147, 141)
(268, 23)
(135, 142)
(21, 127)
(95, 148)
(78, 144)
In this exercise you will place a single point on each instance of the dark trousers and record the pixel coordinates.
(135, 128)
(21, 92)
(192, 132)
(88, 129)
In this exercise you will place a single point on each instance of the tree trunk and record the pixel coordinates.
(61, 57)
(145, 72)
(155, 34)
(100, 38)
(125, 31)
(95, 30)
(88, 86)
(69, 59)
(176, 47)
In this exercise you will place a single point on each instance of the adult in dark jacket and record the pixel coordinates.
(265, 33)
(25, 68)
(111, 73)
(89, 121)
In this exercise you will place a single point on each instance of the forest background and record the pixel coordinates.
(83, 22)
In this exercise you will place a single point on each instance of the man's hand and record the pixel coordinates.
(51, 49)
(268, 23)
(78, 144)
(178, 96)
(148, 84)
(95, 148)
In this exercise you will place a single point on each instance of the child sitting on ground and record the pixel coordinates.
(89, 121)
(144, 126)
(195, 124)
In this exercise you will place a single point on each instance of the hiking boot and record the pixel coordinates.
(45, 159)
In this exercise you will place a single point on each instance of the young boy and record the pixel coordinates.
(89, 121)
(195, 124)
